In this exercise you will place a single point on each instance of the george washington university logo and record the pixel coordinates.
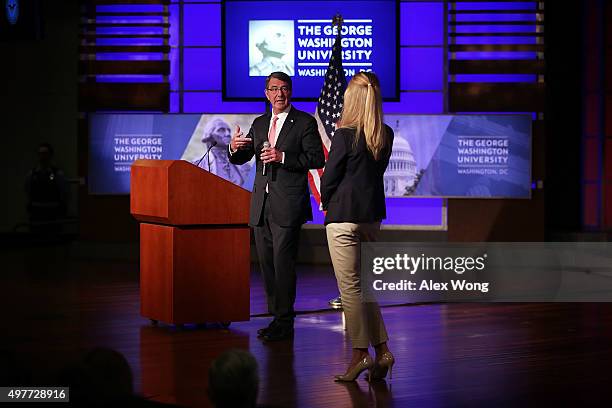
(12, 11)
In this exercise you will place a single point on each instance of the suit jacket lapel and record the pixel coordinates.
(289, 122)
(263, 131)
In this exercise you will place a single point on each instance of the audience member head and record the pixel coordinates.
(103, 376)
(45, 154)
(233, 380)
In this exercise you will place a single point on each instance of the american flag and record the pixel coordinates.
(329, 109)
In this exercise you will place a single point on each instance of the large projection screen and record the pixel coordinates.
(465, 156)
(296, 37)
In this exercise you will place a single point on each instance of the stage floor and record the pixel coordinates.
(55, 308)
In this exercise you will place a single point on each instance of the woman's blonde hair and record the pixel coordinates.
(362, 111)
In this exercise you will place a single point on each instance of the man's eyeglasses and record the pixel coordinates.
(275, 89)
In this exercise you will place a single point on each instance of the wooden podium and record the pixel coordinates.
(194, 243)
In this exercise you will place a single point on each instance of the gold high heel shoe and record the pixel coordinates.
(384, 364)
(366, 363)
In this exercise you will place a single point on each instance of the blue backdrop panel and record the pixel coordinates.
(441, 155)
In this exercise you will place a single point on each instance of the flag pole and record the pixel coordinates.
(338, 21)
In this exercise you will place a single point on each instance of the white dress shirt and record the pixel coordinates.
(282, 116)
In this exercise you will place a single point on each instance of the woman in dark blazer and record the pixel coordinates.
(353, 196)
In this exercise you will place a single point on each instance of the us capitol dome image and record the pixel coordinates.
(401, 173)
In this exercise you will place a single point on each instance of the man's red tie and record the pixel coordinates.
(272, 133)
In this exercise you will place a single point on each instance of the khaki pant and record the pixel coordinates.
(364, 321)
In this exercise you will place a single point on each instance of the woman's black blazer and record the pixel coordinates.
(352, 186)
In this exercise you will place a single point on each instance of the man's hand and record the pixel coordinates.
(270, 155)
(239, 141)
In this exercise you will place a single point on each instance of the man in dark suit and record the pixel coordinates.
(280, 201)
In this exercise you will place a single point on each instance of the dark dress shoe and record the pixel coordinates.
(280, 332)
(265, 330)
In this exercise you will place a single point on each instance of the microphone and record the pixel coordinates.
(266, 145)
(213, 144)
